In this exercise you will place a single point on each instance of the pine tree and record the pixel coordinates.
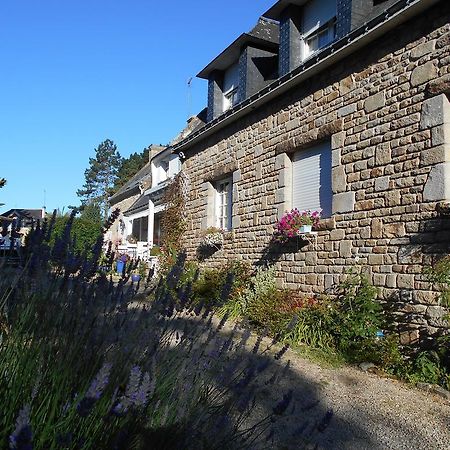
(129, 167)
(100, 176)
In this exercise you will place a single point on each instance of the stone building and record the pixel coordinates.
(349, 113)
(141, 199)
(131, 228)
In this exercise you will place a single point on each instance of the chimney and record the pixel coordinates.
(153, 150)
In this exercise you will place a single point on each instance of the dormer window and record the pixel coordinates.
(230, 87)
(319, 38)
(245, 67)
(230, 99)
(319, 25)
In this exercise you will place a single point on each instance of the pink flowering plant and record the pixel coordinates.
(289, 225)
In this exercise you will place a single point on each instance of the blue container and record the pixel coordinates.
(120, 267)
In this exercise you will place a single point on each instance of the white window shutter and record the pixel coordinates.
(311, 179)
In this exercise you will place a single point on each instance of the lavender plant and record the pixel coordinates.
(82, 365)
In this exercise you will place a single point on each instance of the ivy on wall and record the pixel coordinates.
(173, 221)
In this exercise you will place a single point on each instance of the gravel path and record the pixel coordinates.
(365, 411)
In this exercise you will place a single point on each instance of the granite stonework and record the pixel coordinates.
(386, 114)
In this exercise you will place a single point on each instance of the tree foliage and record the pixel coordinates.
(100, 176)
(2, 182)
(129, 167)
(84, 231)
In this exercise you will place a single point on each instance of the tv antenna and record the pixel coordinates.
(189, 96)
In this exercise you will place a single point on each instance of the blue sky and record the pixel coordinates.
(77, 72)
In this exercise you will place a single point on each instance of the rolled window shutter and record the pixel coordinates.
(311, 180)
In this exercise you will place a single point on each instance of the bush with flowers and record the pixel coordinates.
(289, 225)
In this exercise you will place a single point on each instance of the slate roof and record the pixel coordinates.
(35, 214)
(274, 12)
(141, 204)
(131, 187)
(265, 34)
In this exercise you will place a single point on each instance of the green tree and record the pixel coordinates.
(129, 167)
(2, 182)
(86, 228)
(100, 177)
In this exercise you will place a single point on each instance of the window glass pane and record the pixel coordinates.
(224, 204)
(144, 229)
(231, 78)
(230, 99)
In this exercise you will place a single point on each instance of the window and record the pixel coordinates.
(230, 87)
(320, 38)
(224, 203)
(311, 179)
(140, 229)
(318, 25)
(230, 99)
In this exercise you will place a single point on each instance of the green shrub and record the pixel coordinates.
(358, 315)
(214, 285)
(314, 325)
(440, 275)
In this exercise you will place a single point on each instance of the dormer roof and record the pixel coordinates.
(265, 35)
(274, 12)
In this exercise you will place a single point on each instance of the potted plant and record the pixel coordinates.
(140, 272)
(294, 223)
(212, 237)
(308, 220)
(121, 262)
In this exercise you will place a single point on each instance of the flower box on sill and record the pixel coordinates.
(305, 229)
(295, 223)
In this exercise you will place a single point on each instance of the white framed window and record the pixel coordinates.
(230, 87)
(311, 179)
(224, 203)
(319, 38)
(318, 25)
(230, 99)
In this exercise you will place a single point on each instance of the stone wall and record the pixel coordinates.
(386, 115)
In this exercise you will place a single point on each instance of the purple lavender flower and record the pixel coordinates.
(100, 382)
(22, 436)
(133, 384)
(137, 392)
(144, 391)
(95, 390)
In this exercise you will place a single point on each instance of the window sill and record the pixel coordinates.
(326, 224)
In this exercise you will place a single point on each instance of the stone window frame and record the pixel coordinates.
(344, 199)
(435, 116)
(231, 172)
